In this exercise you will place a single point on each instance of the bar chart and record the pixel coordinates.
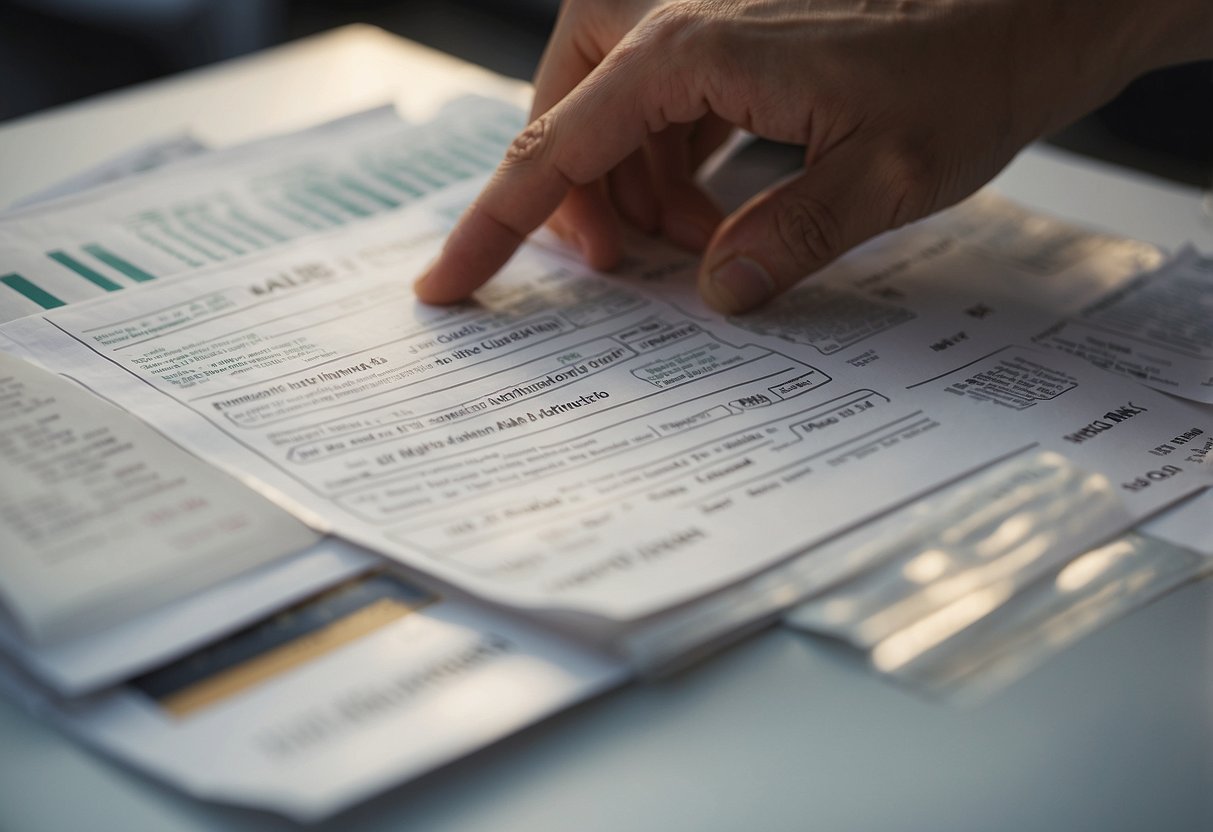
(327, 178)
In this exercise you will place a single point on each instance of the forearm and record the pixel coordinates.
(1079, 54)
(1144, 35)
(1185, 31)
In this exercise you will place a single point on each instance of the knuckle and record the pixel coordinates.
(810, 230)
(675, 26)
(532, 142)
(672, 19)
(676, 48)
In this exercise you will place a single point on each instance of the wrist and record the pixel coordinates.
(1087, 51)
(1152, 34)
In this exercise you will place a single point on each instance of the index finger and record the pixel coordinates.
(604, 118)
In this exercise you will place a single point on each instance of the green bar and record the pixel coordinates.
(84, 271)
(499, 135)
(309, 205)
(294, 216)
(479, 148)
(478, 162)
(206, 215)
(357, 187)
(164, 225)
(44, 299)
(394, 181)
(118, 264)
(443, 163)
(186, 217)
(418, 174)
(398, 183)
(336, 199)
(258, 226)
(141, 231)
(173, 233)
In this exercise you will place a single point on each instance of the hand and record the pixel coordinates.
(903, 108)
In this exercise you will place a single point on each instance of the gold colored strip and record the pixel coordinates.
(306, 648)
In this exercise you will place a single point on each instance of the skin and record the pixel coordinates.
(904, 107)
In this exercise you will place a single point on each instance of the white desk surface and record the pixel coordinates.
(779, 733)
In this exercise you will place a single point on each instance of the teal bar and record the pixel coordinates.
(241, 236)
(499, 137)
(142, 232)
(357, 187)
(294, 216)
(118, 264)
(478, 163)
(198, 230)
(43, 298)
(309, 205)
(394, 181)
(258, 226)
(96, 278)
(443, 164)
(398, 183)
(419, 174)
(164, 225)
(173, 234)
(335, 198)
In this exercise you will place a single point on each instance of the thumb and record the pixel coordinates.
(794, 228)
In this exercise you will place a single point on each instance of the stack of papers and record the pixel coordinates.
(269, 512)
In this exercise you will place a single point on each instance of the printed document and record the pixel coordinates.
(1157, 329)
(233, 203)
(142, 640)
(602, 445)
(101, 517)
(338, 697)
(154, 155)
(102, 657)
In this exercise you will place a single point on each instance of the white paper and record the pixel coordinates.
(1158, 330)
(1005, 525)
(309, 737)
(877, 610)
(153, 155)
(1037, 622)
(572, 444)
(105, 657)
(954, 563)
(233, 203)
(104, 518)
(988, 270)
(963, 282)
(1189, 524)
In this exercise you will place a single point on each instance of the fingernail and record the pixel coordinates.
(685, 232)
(739, 284)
